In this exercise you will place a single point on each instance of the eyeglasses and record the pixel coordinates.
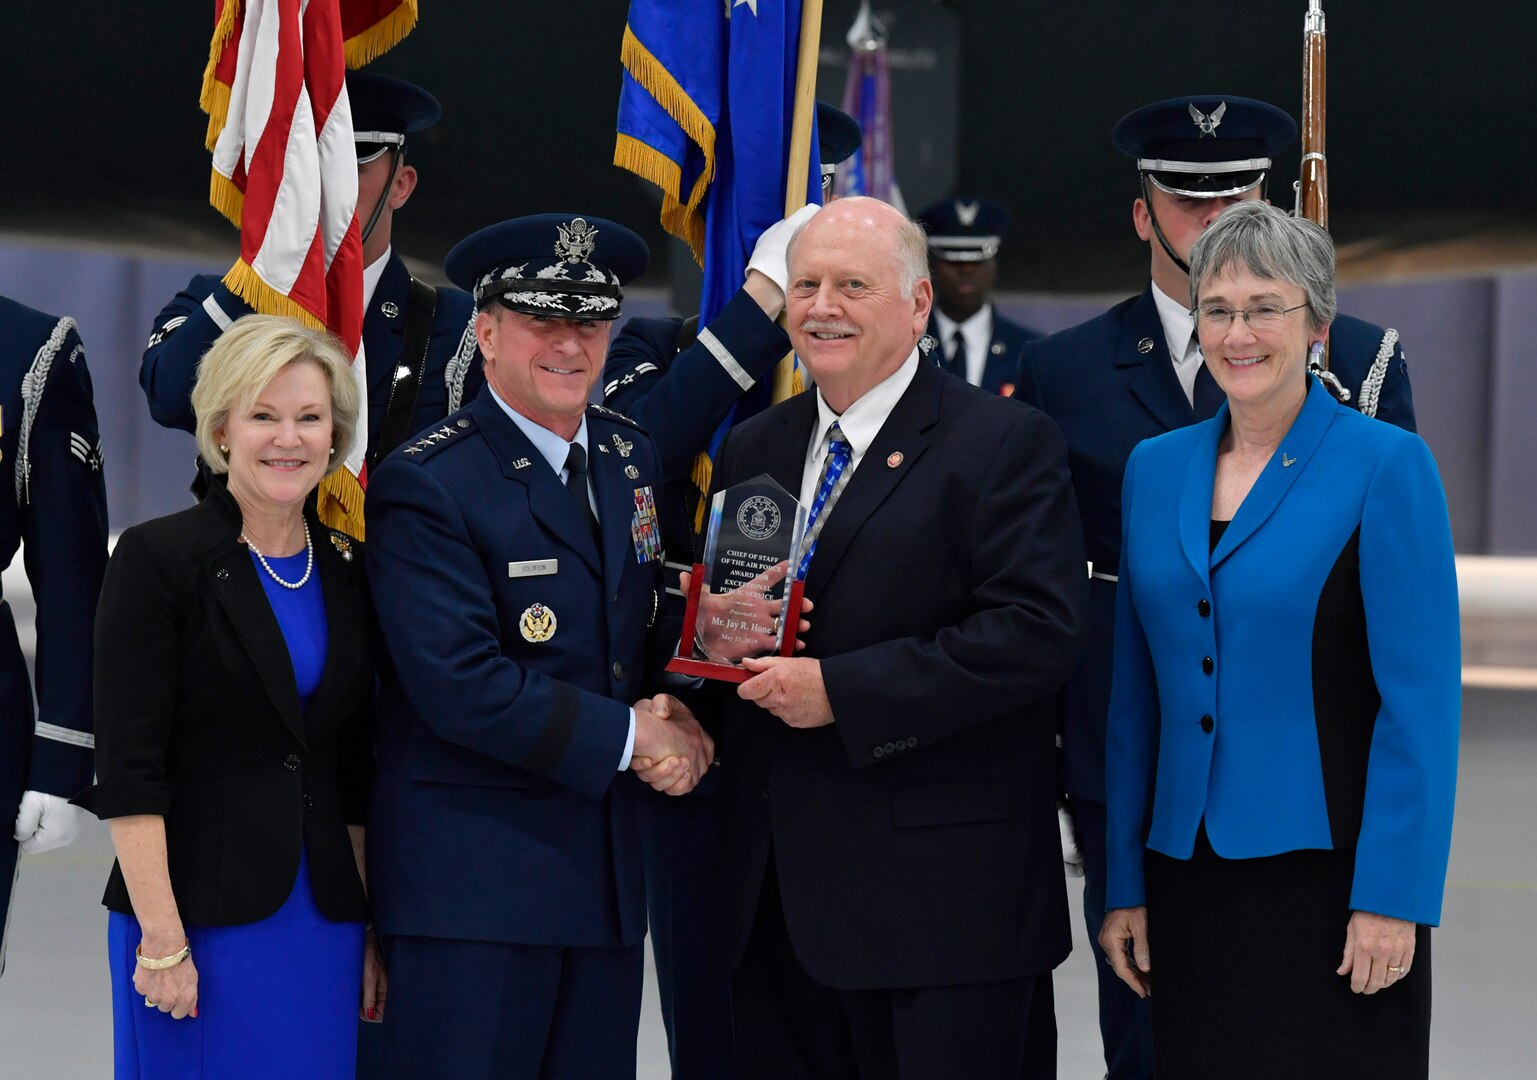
(1259, 317)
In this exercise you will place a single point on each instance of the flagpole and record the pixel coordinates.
(797, 174)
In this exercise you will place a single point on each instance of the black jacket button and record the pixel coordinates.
(912, 741)
(765, 793)
(618, 670)
(309, 802)
(1204, 608)
(878, 751)
(291, 763)
(1207, 723)
(1207, 665)
(890, 748)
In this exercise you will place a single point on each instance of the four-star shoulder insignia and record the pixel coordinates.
(426, 440)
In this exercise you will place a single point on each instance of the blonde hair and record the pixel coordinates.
(247, 357)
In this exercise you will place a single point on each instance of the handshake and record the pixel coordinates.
(672, 752)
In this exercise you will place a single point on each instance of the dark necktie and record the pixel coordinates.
(834, 468)
(956, 365)
(576, 485)
(1208, 395)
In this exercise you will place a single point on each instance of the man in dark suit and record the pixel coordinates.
(418, 344)
(975, 342)
(55, 504)
(1136, 372)
(516, 565)
(681, 382)
(890, 888)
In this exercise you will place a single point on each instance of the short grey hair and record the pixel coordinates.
(910, 245)
(1270, 244)
(247, 357)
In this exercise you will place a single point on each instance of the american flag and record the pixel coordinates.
(285, 169)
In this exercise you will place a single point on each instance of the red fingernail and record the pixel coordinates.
(194, 1012)
(370, 1012)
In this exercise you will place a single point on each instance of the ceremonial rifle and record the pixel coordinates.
(1312, 186)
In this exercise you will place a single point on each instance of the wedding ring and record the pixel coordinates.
(1396, 970)
(148, 1004)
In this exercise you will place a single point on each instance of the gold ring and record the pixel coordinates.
(1396, 970)
(148, 1004)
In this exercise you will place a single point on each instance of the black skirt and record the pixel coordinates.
(1244, 953)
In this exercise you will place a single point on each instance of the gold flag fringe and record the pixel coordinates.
(226, 198)
(214, 98)
(246, 283)
(339, 503)
(681, 217)
(382, 36)
(701, 474)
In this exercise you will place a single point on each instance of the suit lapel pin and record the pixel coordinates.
(632, 472)
(602, 449)
(521, 463)
(623, 446)
(997, 349)
(894, 459)
(389, 309)
(1145, 346)
(1287, 461)
(537, 624)
(342, 544)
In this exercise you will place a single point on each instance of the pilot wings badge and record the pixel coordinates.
(576, 242)
(1208, 122)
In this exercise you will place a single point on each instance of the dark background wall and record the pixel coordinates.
(1429, 125)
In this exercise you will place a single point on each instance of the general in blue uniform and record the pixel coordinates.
(975, 342)
(1136, 372)
(515, 555)
(54, 503)
(418, 342)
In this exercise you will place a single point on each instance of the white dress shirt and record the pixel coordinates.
(860, 423)
(1179, 332)
(976, 332)
(554, 449)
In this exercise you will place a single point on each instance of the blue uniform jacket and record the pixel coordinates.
(514, 648)
(1109, 384)
(1003, 355)
(1280, 744)
(53, 500)
(188, 325)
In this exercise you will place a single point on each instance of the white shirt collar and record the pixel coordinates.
(371, 275)
(1178, 332)
(551, 446)
(860, 423)
(977, 332)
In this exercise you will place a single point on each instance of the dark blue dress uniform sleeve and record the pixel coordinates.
(682, 411)
(58, 509)
(182, 333)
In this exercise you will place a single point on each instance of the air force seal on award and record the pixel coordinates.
(758, 517)
(537, 624)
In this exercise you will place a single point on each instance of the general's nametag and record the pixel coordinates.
(538, 568)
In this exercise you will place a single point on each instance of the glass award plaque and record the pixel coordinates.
(745, 593)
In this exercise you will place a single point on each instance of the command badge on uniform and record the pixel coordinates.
(537, 624)
(646, 527)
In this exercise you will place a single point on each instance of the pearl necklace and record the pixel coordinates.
(309, 563)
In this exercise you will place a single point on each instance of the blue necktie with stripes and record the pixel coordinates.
(839, 454)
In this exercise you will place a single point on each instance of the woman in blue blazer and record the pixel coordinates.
(1282, 744)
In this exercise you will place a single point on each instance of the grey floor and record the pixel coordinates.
(55, 1021)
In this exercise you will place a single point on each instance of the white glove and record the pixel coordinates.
(45, 822)
(1072, 858)
(768, 255)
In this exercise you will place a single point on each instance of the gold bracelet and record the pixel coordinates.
(165, 961)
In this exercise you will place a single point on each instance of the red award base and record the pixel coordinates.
(685, 664)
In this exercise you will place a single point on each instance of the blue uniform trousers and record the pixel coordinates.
(480, 1010)
(1125, 1020)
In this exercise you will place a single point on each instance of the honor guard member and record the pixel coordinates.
(516, 564)
(418, 342)
(681, 382)
(974, 341)
(1136, 372)
(55, 506)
